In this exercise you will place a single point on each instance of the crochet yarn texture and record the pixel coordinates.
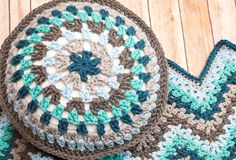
(183, 134)
(83, 78)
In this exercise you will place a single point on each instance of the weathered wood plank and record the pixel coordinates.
(139, 7)
(4, 19)
(197, 32)
(36, 3)
(166, 24)
(223, 19)
(18, 10)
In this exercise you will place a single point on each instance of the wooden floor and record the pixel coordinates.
(187, 29)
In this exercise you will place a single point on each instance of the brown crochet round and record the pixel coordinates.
(83, 78)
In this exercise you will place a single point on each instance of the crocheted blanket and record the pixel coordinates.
(199, 121)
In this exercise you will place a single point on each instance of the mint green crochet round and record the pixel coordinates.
(131, 96)
(117, 111)
(137, 69)
(28, 78)
(36, 91)
(44, 104)
(68, 16)
(109, 23)
(73, 117)
(25, 64)
(124, 105)
(35, 38)
(43, 28)
(102, 115)
(136, 54)
(57, 111)
(89, 118)
(121, 30)
(129, 43)
(83, 16)
(55, 21)
(96, 17)
(137, 84)
(27, 50)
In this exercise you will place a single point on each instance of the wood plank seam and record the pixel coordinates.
(4, 18)
(207, 1)
(166, 24)
(149, 14)
(223, 19)
(9, 15)
(197, 33)
(30, 5)
(185, 51)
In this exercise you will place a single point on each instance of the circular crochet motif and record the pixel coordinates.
(85, 78)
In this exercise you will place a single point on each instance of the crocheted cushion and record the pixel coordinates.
(184, 136)
(86, 79)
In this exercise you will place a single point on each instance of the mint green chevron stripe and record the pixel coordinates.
(178, 136)
(182, 92)
(181, 137)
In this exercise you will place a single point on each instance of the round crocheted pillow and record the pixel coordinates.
(83, 78)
